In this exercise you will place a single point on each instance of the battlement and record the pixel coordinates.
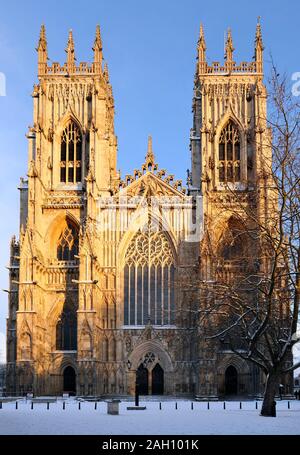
(70, 67)
(230, 66)
(83, 68)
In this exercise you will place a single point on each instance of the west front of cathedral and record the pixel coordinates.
(105, 273)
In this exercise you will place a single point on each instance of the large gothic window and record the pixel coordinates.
(229, 154)
(71, 154)
(66, 328)
(234, 241)
(149, 281)
(67, 246)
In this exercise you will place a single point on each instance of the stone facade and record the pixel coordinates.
(90, 308)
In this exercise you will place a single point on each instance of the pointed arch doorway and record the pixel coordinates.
(69, 376)
(157, 380)
(231, 381)
(142, 380)
(150, 380)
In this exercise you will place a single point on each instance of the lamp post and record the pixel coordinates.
(136, 389)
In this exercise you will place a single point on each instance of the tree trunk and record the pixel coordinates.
(269, 405)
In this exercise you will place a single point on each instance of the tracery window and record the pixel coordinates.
(71, 154)
(68, 243)
(229, 154)
(234, 242)
(66, 329)
(149, 280)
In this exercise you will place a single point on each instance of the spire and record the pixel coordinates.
(70, 53)
(98, 51)
(150, 154)
(201, 51)
(229, 47)
(150, 158)
(42, 51)
(259, 47)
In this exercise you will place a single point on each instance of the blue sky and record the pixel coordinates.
(150, 47)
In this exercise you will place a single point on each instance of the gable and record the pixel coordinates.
(152, 185)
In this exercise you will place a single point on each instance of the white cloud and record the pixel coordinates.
(2, 348)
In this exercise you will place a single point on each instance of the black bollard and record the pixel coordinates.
(48, 406)
(137, 394)
(32, 405)
(176, 405)
(208, 405)
(224, 405)
(16, 405)
(289, 406)
(240, 405)
(256, 405)
(79, 405)
(0, 404)
(160, 406)
(95, 405)
(192, 406)
(64, 405)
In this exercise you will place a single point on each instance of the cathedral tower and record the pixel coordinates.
(72, 151)
(229, 151)
(229, 119)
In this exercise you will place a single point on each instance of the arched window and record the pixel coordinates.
(66, 328)
(68, 243)
(234, 241)
(149, 280)
(229, 154)
(26, 346)
(71, 154)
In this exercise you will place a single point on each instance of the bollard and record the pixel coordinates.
(64, 405)
(159, 406)
(240, 405)
(32, 405)
(16, 405)
(79, 405)
(95, 405)
(289, 407)
(208, 405)
(0, 404)
(224, 405)
(176, 405)
(48, 406)
(256, 405)
(113, 407)
(137, 394)
(192, 406)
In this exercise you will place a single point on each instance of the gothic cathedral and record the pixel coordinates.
(100, 300)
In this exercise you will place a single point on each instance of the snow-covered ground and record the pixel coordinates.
(168, 420)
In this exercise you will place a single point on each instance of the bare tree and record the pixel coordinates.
(253, 304)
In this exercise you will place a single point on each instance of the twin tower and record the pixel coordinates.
(92, 312)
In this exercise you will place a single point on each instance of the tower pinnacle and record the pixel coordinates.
(201, 50)
(229, 49)
(98, 56)
(42, 51)
(70, 50)
(259, 47)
